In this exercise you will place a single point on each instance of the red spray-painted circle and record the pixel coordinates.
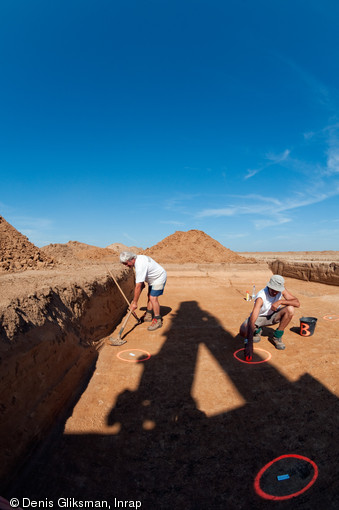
(266, 495)
(133, 360)
(269, 356)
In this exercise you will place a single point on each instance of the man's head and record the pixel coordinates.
(127, 258)
(276, 284)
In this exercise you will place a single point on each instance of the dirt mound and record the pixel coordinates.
(192, 246)
(119, 247)
(74, 253)
(17, 253)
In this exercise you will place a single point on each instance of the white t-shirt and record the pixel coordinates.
(268, 301)
(149, 271)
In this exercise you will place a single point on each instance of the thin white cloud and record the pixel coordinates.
(252, 172)
(333, 160)
(303, 201)
(309, 135)
(226, 211)
(253, 197)
(260, 224)
(325, 133)
(261, 208)
(254, 204)
(273, 159)
(277, 158)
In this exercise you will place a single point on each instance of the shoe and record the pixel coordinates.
(156, 323)
(279, 344)
(257, 335)
(257, 338)
(148, 317)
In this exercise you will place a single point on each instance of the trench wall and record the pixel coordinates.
(309, 271)
(49, 343)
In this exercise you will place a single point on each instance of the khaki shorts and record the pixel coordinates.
(266, 320)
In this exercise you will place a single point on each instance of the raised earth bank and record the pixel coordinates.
(50, 337)
(309, 271)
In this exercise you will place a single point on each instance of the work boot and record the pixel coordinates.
(279, 344)
(156, 323)
(277, 339)
(148, 316)
(257, 335)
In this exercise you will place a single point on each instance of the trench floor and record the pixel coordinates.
(175, 419)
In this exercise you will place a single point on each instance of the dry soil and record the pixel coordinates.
(174, 418)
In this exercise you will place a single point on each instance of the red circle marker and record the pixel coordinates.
(265, 495)
(269, 356)
(331, 317)
(133, 360)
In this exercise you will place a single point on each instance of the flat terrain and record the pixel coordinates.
(295, 256)
(192, 426)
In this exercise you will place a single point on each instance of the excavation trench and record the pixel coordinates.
(190, 427)
(50, 338)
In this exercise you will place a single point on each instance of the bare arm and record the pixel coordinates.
(253, 317)
(250, 329)
(288, 299)
(137, 292)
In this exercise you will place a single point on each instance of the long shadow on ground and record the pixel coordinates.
(169, 454)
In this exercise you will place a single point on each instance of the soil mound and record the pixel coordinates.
(74, 253)
(193, 246)
(119, 247)
(17, 253)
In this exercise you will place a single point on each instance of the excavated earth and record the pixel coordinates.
(173, 418)
(322, 266)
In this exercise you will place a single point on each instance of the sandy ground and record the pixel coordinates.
(191, 426)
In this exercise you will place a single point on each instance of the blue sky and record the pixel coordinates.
(124, 121)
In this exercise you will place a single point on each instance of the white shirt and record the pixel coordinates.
(268, 301)
(147, 270)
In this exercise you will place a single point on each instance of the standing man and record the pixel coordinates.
(149, 271)
(273, 305)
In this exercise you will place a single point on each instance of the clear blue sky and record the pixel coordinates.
(124, 121)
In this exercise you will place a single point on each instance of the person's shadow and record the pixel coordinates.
(167, 453)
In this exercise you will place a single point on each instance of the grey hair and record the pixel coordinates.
(125, 256)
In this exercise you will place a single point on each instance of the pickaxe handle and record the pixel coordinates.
(124, 323)
(122, 292)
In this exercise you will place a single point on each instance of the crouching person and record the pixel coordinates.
(273, 305)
